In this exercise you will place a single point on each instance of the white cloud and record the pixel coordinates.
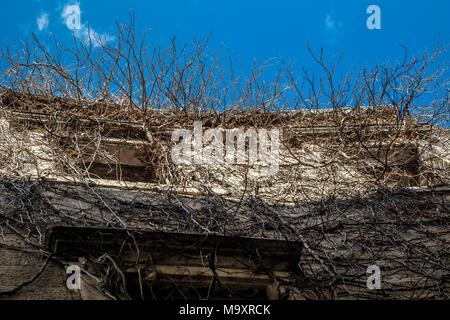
(332, 28)
(90, 35)
(71, 15)
(42, 21)
(329, 22)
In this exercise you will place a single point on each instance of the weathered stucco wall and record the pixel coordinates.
(19, 264)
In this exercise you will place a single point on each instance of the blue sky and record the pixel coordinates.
(258, 30)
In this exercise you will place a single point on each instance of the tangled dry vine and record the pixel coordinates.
(363, 176)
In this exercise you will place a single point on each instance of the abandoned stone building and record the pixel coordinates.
(92, 185)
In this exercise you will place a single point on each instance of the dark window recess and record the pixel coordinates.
(121, 172)
(168, 288)
(180, 266)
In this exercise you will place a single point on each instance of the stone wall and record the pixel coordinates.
(19, 264)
